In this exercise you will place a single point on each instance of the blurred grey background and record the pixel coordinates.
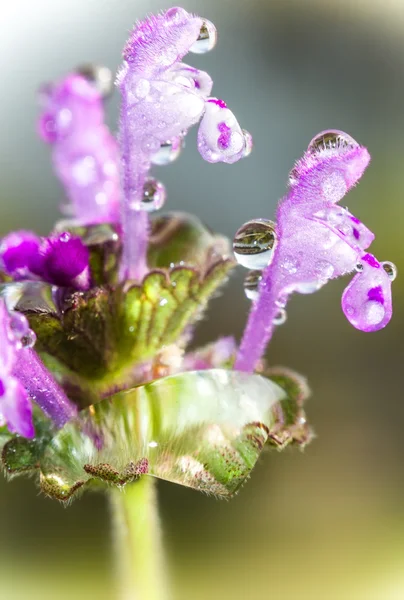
(328, 523)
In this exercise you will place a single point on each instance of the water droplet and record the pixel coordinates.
(169, 151)
(254, 243)
(280, 317)
(359, 267)
(65, 237)
(99, 76)
(331, 140)
(206, 40)
(251, 284)
(19, 325)
(390, 268)
(154, 195)
(308, 287)
(29, 339)
(248, 143)
(290, 264)
(282, 301)
(175, 15)
(293, 176)
(324, 269)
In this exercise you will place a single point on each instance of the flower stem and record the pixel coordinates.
(135, 222)
(259, 328)
(138, 552)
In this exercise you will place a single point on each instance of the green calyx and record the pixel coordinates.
(95, 340)
(101, 333)
(200, 429)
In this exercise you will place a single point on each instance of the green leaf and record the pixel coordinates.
(4, 278)
(290, 426)
(102, 333)
(202, 429)
(5, 436)
(20, 455)
(182, 239)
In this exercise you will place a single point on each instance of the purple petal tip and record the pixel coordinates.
(316, 240)
(85, 154)
(60, 260)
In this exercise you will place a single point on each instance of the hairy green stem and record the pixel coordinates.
(138, 552)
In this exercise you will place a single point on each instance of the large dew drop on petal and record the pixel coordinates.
(366, 301)
(331, 141)
(220, 137)
(206, 40)
(331, 165)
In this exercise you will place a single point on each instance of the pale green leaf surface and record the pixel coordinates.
(201, 429)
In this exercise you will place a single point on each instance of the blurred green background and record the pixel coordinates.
(328, 523)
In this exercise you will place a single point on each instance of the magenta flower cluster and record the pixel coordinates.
(61, 260)
(107, 180)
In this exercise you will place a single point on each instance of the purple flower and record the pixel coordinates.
(118, 323)
(23, 378)
(85, 154)
(61, 260)
(15, 405)
(18, 253)
(64, 261)
(313, 241)
(161, 99)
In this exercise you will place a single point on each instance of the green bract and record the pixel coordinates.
(201, 429)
